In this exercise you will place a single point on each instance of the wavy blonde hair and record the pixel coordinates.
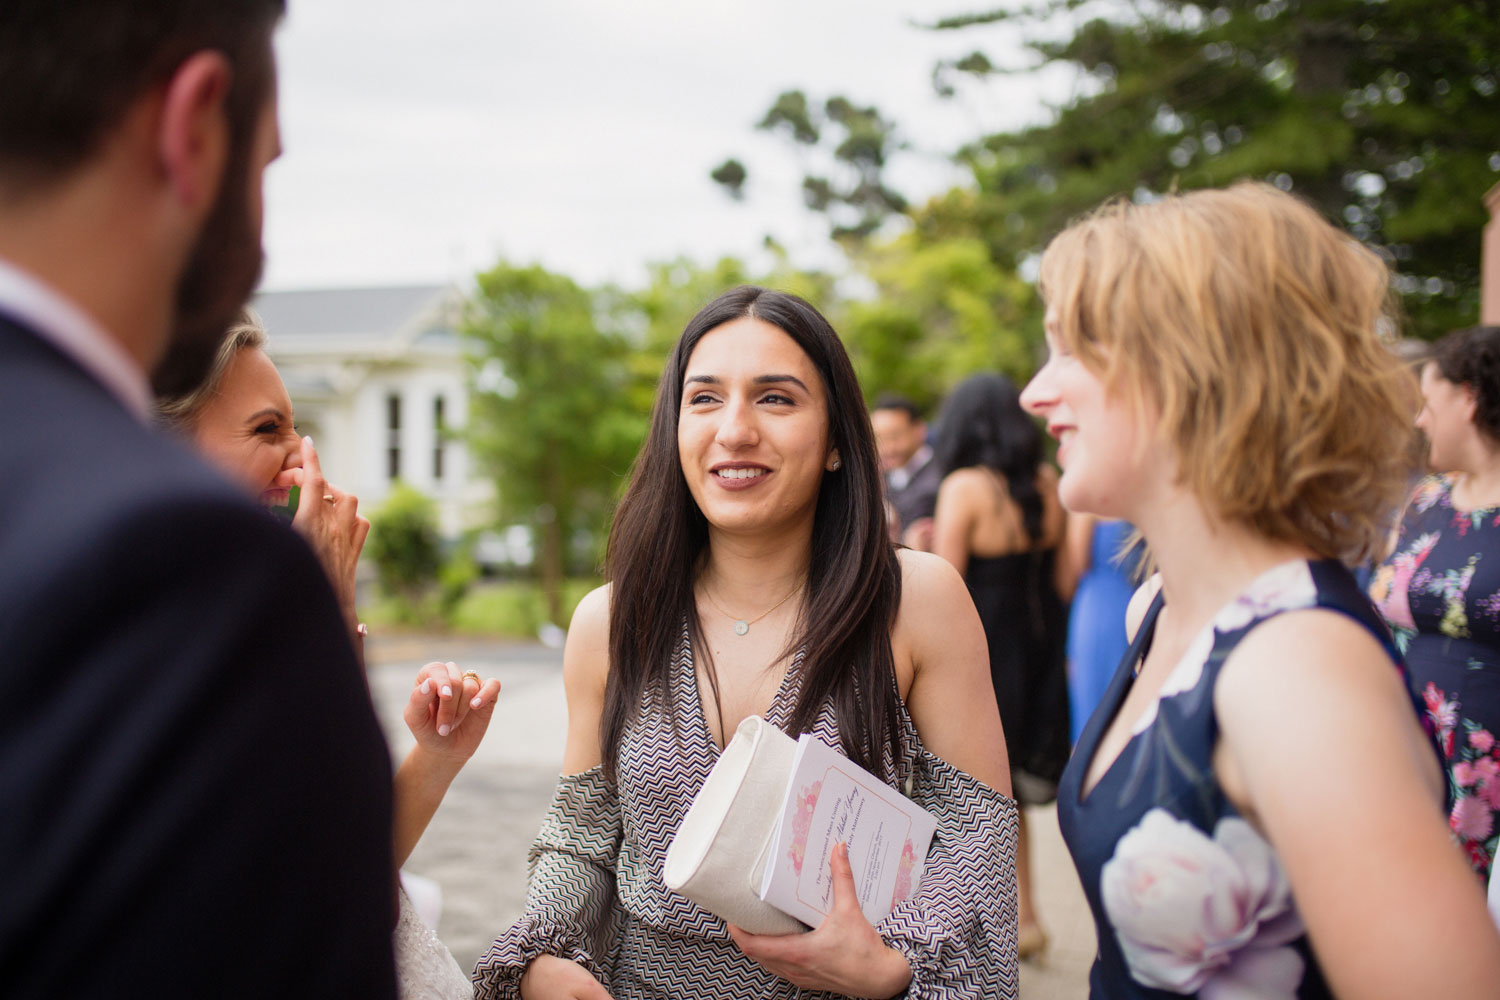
(180, 413)
(1259, 337)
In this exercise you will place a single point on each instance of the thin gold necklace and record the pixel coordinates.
(741, 625)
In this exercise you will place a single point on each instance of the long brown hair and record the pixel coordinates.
(853, 580)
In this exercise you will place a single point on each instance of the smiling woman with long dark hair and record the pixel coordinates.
(751, 574)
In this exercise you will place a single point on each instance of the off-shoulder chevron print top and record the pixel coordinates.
(596, 894)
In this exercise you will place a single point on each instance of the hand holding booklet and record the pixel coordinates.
(756, 844)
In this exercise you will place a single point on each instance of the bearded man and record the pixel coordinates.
(195, 790)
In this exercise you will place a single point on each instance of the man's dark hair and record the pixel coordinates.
(892, 402)
(70, 69)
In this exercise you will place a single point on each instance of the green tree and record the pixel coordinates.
(847, 148)
(941, 310)
(550, 417)
(404, 544)
(1383, 113)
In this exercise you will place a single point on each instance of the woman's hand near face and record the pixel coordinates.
(843, 955)
(329, 519)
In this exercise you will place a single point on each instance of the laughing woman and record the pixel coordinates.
(751, 574)
(1254, 809)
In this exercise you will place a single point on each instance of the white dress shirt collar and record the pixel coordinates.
(919, 458)
(57, 320)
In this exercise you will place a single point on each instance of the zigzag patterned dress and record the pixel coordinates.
(596, 893)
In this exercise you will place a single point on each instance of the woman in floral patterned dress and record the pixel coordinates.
(1440, 589)
(1254, 808)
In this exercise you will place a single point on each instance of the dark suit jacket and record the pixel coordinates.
(919, 497)
(194, 792)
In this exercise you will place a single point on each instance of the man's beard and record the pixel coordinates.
(221, 272)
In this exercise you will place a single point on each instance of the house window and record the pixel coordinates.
(393, 436)
(439, 438)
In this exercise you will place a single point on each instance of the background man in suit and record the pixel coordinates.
(195, 792)
(911, 480)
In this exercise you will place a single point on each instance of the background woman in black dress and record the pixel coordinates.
(999, 523)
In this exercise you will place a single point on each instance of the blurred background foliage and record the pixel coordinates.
(1384, 114)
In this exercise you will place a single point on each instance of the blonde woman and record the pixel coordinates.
(1254, 808)
(239, 418)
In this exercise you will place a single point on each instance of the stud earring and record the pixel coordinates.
(837, 464)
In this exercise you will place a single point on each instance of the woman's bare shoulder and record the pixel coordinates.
(931, 590)
(972, 482)
(586, 653)
(923, 570)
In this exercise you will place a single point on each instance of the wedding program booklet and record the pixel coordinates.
(831, 799)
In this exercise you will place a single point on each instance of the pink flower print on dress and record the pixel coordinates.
(802, 824)
(1481, 740)
(1391, 591)
(1463, 774)
(1472, 819)
(1200, 915)
(1429, 491)
(1442, 712)
(1486, 774)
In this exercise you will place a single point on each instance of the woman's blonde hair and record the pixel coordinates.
(1257, 335)
(180, 412)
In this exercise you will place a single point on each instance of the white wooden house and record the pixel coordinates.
(378, 378)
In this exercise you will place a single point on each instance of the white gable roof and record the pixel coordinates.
(385, 321)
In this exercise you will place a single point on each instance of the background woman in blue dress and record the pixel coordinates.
(1254, 809)
(1095, 555)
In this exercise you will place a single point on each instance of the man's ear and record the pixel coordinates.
(193, 134)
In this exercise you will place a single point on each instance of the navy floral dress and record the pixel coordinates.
(1188, 898)
(1440, 593)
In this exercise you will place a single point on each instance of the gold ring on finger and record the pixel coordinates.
(475, 675)
(329, 497)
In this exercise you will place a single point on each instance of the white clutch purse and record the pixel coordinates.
(718, 855)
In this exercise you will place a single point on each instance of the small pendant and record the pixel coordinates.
(741, 627)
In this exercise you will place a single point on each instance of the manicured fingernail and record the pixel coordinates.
(426, 686)
(444, 730)
(453, 665)
(307, 440)
(474, 703)
(446, 692)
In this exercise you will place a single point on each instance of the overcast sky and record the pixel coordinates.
(423, 140)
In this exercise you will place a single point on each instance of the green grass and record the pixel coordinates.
(508, 608)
